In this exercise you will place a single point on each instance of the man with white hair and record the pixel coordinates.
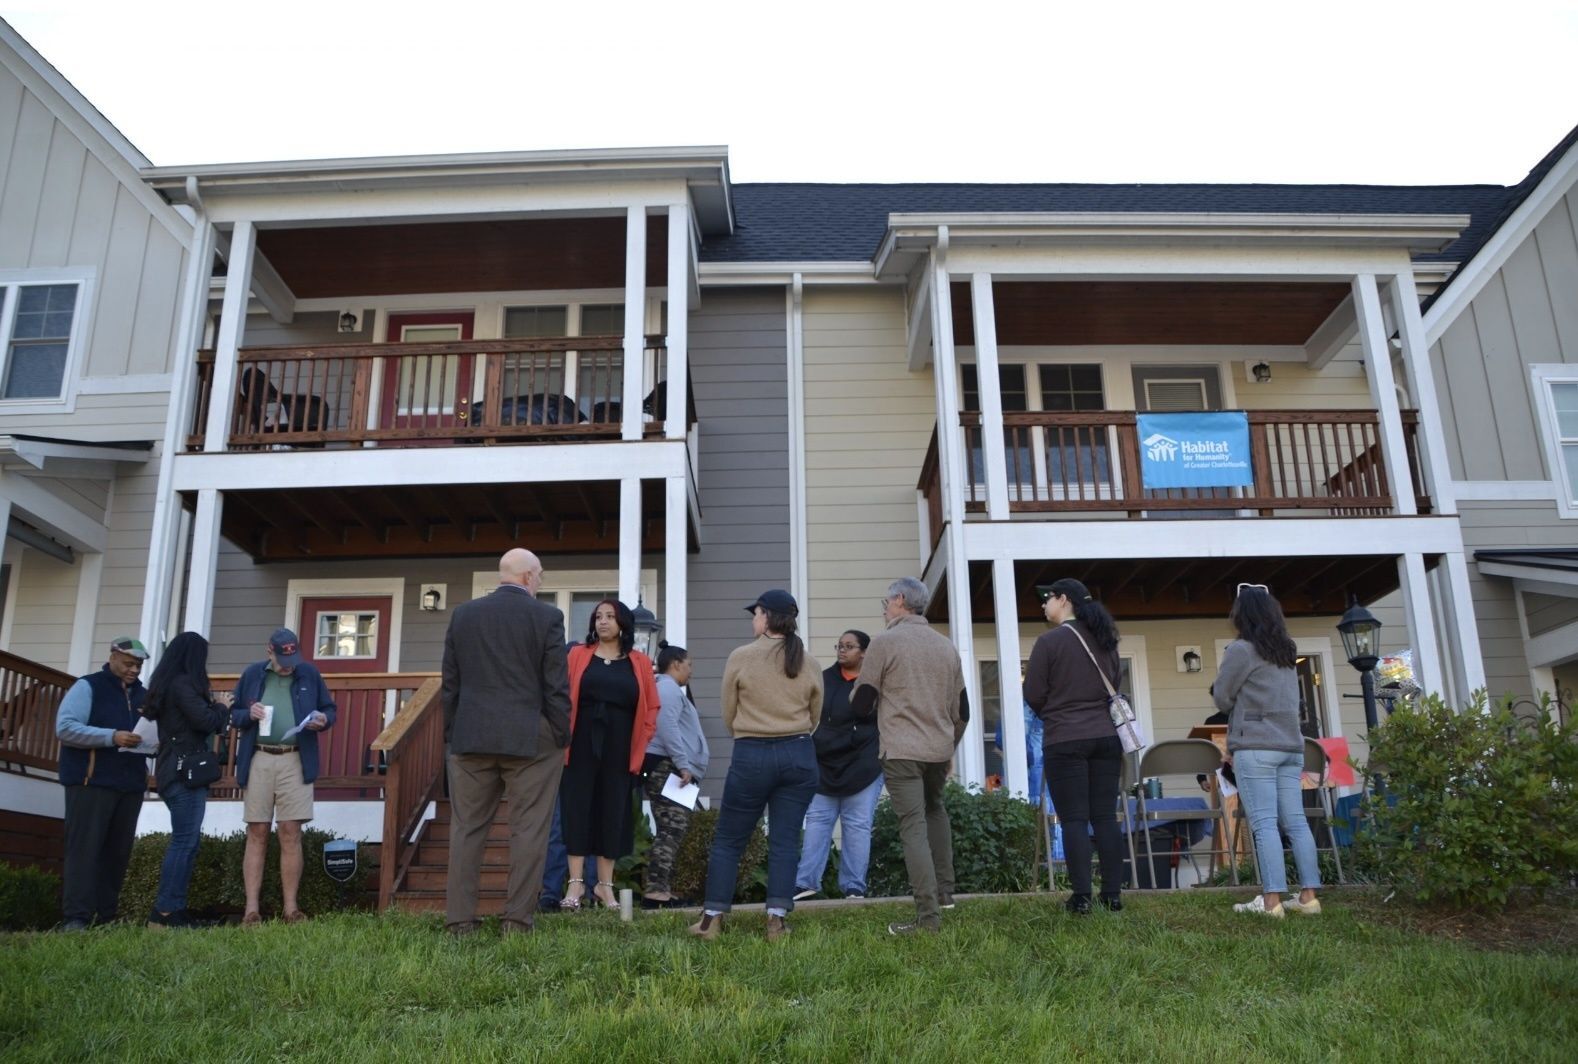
(911, 678)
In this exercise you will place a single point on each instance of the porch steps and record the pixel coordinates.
(422, 889)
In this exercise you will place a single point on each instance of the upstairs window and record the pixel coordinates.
(1556, 392)
(36, 321)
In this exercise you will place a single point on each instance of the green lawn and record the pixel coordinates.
(1176, 977)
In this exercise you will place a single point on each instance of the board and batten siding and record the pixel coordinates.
(868, 421)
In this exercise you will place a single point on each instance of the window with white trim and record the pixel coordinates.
(37, 321)
(576, 592)
(1556, 391)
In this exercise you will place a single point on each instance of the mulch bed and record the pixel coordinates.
(1546, 926)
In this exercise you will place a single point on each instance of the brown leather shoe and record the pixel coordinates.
(777, 928)
(516, 927)
(295, 916)
(251, 919)
(708, 927)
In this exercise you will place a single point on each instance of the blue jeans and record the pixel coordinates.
(854, 851)
(1268, 785)
(186, 805)
(557, 870)
(780, 776)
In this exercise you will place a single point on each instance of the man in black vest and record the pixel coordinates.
(104, 787)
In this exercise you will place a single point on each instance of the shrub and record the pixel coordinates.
(994, 844)
(1475, 808)
(690, 866)
(218, 888)
(29, 899)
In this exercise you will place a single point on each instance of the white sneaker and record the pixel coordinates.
(806, 892)
(1257, 905)
(1303, 908)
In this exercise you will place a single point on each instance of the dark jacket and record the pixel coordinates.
(188, 719)
(846, 746)
(114, 706)
(505, 683)
(308, 693)
(1064, 688)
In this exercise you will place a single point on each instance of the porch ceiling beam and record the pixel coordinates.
(409, 514)
(510, 524)
(310, 514)
(358, 514)
(268, 287)
(918, 335)
(1340, 329)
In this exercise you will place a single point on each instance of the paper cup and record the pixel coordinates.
(266, 725)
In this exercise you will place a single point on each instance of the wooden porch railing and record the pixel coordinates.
(1328, 460)
(405, 393)
(30, 696)
(413, 745)
(930, 487)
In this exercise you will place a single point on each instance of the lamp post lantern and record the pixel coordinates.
(1361, 641)
(649, 630)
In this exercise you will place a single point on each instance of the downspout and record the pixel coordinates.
(799, 581)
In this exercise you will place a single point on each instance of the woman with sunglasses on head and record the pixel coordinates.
(1258, 688)
(1066, 684)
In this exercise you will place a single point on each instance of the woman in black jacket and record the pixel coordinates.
(181, 699)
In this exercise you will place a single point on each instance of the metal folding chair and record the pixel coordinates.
(1318, 764)
(1191, 757)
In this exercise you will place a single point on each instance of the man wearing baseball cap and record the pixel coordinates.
(281, 705)
(104, 788)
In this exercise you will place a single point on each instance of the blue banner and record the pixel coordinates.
(1196, 450)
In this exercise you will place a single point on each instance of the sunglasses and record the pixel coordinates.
(1258, 587)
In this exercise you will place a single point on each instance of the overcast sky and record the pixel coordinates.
(1383, 91)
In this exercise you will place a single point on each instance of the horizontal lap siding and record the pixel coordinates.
(1547, 612)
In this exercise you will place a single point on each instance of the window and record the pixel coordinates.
(1556, 392)
(1072, 388)
(575, 592)
(346, 635)
(37, 321)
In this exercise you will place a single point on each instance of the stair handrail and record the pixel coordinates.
(413, 745)
(30, 695)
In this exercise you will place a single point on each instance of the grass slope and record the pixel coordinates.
(1171, 978)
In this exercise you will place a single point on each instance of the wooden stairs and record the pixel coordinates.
(421, 889)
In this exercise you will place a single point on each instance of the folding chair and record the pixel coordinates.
(1189, 757)
(1317, 764)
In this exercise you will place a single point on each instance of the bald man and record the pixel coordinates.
(506, 701)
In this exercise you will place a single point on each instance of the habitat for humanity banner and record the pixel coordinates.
(1200, 450)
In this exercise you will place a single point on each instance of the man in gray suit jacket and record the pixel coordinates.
(506, 696)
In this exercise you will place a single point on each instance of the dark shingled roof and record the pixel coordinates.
(845, 223)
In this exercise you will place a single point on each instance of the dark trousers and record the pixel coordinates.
(101, 825)
(594, 794)
(476, 783)
(557, 869)
(916, 790)
(776, 775)
(672, 820)
(1083, 775)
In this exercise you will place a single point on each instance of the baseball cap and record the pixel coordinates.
(286, 647)
(776, 601)
(127, 645)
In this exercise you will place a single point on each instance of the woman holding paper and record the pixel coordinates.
(676, 757)
(1258, 688)
(181, 700)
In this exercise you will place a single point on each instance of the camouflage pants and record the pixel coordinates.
(673, 820)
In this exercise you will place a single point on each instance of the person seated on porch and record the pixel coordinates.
(680, 749)
(613, 716)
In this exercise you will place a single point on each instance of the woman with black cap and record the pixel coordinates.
(1066, 684)
(772, 701)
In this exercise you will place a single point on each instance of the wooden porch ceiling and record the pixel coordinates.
(1151, 312)
(405, 521)
(488, 256)
(1171, 588)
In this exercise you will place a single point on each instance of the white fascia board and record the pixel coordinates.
(1533, 577)
(1554, 647)
(718, 274)
(288, 206)
(1256, 538)
(36, 452)
(56, 517)
(1197, 262)
(392, 467)
(1495, 252)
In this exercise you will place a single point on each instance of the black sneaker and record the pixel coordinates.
(1112, 903)
(1079, 905)
(158, 921)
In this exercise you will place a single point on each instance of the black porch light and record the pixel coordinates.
(348, 321)
(1191, 661)
(649, 630)
(1262, 372)
(1361, 641)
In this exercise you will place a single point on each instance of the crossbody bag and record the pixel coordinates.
(1118, 707)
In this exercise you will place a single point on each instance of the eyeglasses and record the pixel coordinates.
(1258, 587)
(882, 603)
(845, 646)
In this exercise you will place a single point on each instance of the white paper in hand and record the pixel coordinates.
(297, 729)
(1226, 788)
(680, 792)
(148, 731)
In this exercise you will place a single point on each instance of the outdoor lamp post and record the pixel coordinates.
(649, 630)
(1361, 641)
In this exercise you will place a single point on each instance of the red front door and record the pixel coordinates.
(427, 391)
(346, 634)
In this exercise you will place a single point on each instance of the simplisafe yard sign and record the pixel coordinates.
(1195, 450)
(339, 859)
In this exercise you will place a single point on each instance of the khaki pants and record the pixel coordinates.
(476, 783)
(915, 788)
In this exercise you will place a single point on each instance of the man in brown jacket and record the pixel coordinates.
(912, 680)
(506, 696)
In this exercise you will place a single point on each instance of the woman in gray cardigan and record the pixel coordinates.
(1257, 687)
(680, 748)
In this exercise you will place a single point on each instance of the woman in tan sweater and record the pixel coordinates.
(772, 701)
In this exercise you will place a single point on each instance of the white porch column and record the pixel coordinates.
(1016, 773)
(1383, 391)
(165, 543)
(1415, 589)
(232, 327)
(635, 321)
(1468, 659)
(629, 540)
(676, 556)
(678, 340)
(1421, 383)
(990, 384)
(205, 563)
(90, 578)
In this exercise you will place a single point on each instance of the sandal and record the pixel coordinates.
(569, 904)
(611, 904)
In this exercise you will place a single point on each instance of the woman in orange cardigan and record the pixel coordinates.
(613, 715)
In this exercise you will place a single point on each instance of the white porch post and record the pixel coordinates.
(676, 556)
(678, 340)
(1468, 659)
(629, 540)
(90, 577)
(164, 547)
(1383, 391)
(635, 321)
(205, 563)
(232, 327)
(1016, 772)
(990, 384)
(1421, 383)
(1421, 624)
